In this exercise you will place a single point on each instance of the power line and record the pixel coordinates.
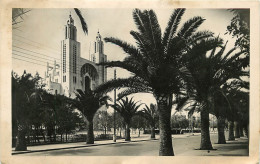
(33, 55)
(58, 59)
(28, 61)
(67, 69)
(38, 47)
(27, 57)
(78, 67)
(37, 53)
(50, 48)
(71, 71)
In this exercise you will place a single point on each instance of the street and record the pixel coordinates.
(182, 145)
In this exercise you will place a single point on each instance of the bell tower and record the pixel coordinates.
(99, 57)
(70, 54)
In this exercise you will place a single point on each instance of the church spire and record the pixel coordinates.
(70, 21)
(98, 37)
(98, 43)
(70, 29)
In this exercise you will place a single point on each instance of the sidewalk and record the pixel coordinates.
(50, 147)
(62, 146)
(238, 147)
(184, 145)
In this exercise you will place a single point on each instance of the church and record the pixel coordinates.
(75, 72)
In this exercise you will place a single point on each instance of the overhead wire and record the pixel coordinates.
(50, 48)
(78, 67)
(58, 60)
(40, 63)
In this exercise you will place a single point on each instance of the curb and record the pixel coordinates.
(34, 151)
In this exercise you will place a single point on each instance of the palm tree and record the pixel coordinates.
(151, 115)
(156, 63)
(221, 108)
(209, 73)
(239, 114)
(88, 103)
(127, 109)
(26, 96)
(226, 105)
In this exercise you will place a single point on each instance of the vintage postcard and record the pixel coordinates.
(129, 81)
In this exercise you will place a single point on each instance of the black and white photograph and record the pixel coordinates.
(131, 81)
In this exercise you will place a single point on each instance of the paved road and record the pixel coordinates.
(182, 146)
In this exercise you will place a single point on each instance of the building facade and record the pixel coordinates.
(74, 72)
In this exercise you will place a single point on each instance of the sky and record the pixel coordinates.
(37, 40)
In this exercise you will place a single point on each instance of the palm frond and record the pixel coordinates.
(229, 52)
(137, 16)
(134, 90)
(172, 25)
(190, 26)
(129, 49)
(127, 108)
(122, 64)
(199, 36)
(234, 57)
(154, 29)
(219, 54)
(141, 42)
(82, 21)
(108, 86)
(181, 102)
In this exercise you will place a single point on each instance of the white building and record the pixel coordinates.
(75, 72)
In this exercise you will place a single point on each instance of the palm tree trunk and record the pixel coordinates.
(37, 134)
(44, 140)
(127, 132)
(241, 131)
(164, 109)
(246, 130)
(152, 132)
(66, 136)
(221, 130)
(90, 136)
(205, 143)
(21, 141)
(231, 136)
(237, 135)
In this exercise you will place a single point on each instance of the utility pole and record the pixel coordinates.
(114, 136)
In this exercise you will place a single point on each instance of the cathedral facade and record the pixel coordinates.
(74, 72)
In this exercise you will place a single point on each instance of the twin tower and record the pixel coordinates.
(72, 71)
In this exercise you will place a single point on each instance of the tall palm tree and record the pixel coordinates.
(210, 71)
(127, 109)
(221, 108)
(225, 106)
(26, 97)
(151, 115)
(88, 103)
(156, 63)
(239, 114)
